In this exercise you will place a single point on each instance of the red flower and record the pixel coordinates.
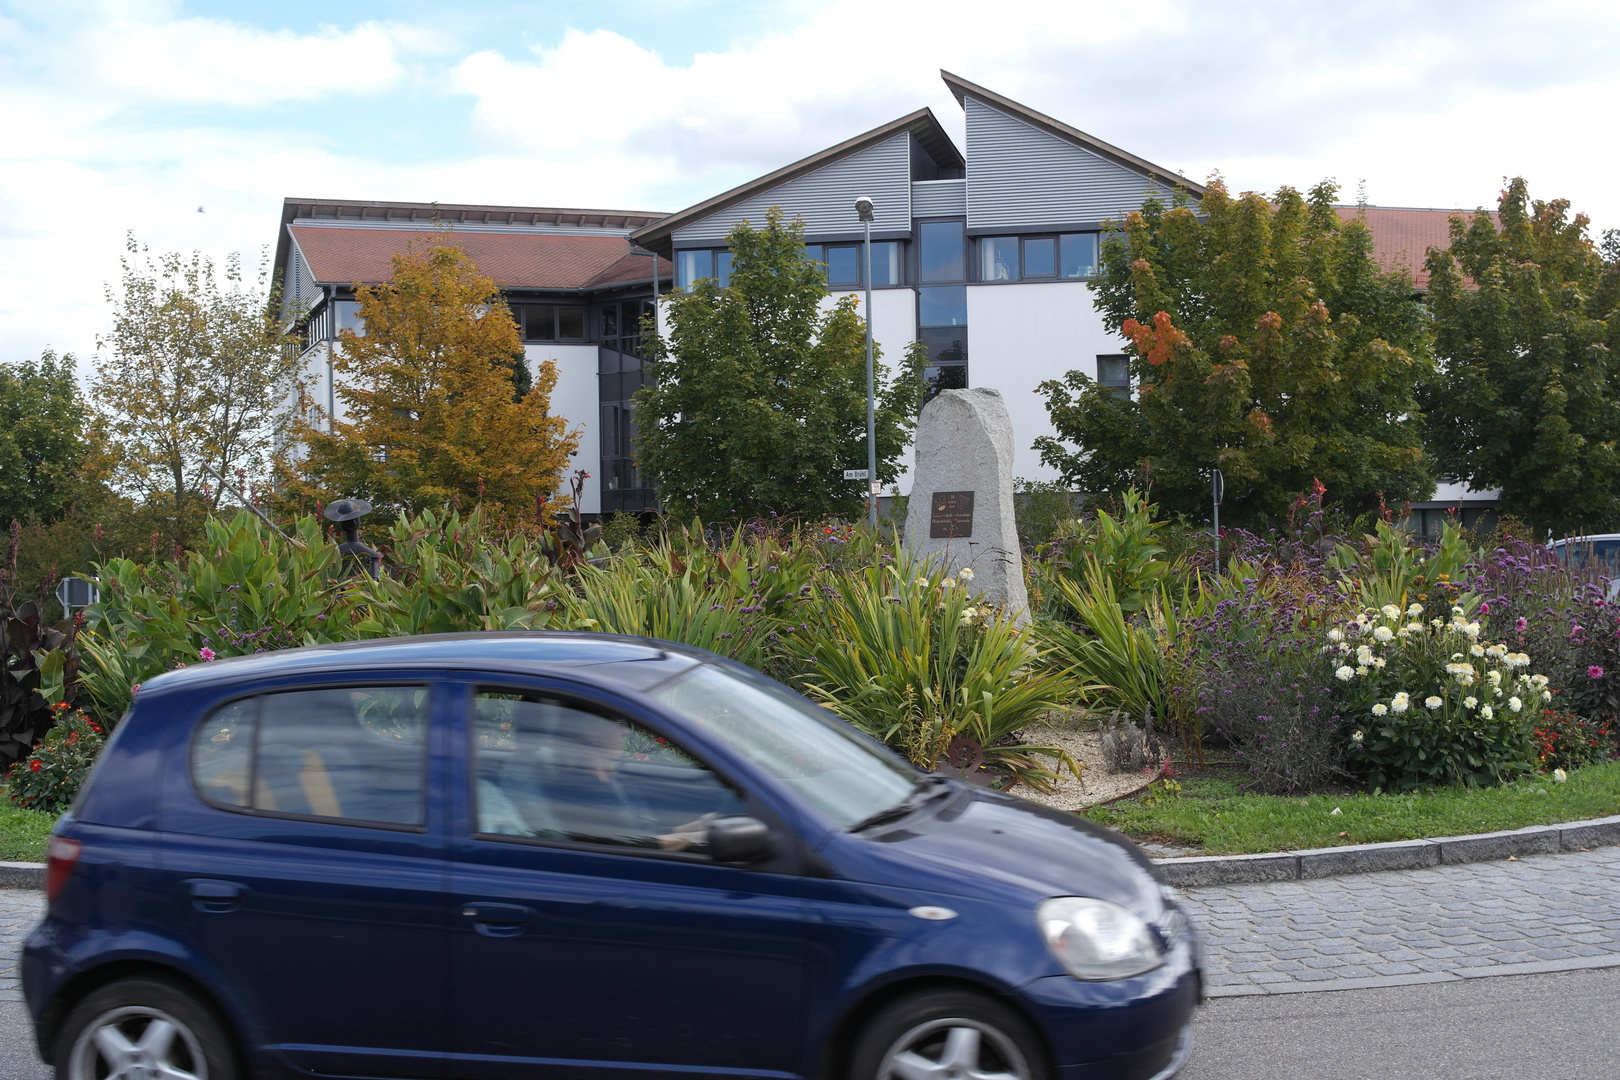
(36, 766)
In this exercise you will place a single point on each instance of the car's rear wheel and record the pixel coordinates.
(143, 1029)
(948, 1035)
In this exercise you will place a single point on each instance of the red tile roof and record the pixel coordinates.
(516, 260)
(1402, 237)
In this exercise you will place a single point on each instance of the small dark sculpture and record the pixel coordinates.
(347, 513)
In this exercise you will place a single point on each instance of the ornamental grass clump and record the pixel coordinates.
(908, 656)
(1431, 702)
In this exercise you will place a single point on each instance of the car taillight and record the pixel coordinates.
(60, 857)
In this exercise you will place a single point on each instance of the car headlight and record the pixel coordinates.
(1096, 940)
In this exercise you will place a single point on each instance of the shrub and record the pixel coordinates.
(1432, 701)
(1567, 741)
(49, 778)
(1262, 681)
(38, 664)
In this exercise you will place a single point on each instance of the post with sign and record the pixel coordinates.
(1217, 484)
(76, 592)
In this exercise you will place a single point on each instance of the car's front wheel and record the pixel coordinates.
(948, 1035)
(143, 1028)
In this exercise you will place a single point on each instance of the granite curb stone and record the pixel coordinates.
(22, 875)
(1481, 847)
(1202, 870)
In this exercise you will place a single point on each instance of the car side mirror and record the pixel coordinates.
(739, 840)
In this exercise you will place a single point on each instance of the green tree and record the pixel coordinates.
(758, 395)
(1263, 340)
(188, 385)
(1526, 397)
(430, 416)
(42, 438)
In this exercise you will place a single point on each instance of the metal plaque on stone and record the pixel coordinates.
(952, 516)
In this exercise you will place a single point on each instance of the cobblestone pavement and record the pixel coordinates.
(20, 911)
(1534, 914)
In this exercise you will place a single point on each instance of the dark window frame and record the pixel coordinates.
(257, 697)
(1120, 389)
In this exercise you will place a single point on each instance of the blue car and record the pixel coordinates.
(490, 856)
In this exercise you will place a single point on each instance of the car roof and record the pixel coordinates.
(625, 661)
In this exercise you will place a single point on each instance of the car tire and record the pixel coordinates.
(944, 1034)
(144, 1022)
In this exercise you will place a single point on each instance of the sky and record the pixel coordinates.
(187, 124)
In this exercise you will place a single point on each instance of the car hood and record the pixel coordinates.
(987, 844)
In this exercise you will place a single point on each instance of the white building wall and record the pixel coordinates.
(894, 327)
(575, 398)
(1021, 335)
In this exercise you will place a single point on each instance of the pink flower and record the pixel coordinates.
(1485, 609)
(1594, 672)
(134, 689)
(206, 653)
(1520, 623)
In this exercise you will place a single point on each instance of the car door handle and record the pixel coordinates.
(209, 894)
(498, 920)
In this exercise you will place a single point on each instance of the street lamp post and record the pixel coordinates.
(864, 208)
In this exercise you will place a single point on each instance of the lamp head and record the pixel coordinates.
(864, 209)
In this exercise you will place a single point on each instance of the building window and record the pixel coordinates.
(570, 324)
(885, 263)
(693, 266)
(539, 322)
(843, 262)
(843, 265)
(552, 322)
(998, 258)
(722, 268)
(1114, 372)
(1040, 256)
(348, 317)
(940, 247)
(1077, 255)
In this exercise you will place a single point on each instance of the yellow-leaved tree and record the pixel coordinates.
(432, 411)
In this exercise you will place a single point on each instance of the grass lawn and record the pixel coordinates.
(23, 833)
(1214, 815)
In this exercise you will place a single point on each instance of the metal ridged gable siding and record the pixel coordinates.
(826, 197)
(1023, 178)
(939, 198)
(300, 290)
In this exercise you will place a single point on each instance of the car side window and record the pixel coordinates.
(549, 769)
(222, 753)
(351, 753)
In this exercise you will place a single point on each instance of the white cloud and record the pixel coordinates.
(200, 61)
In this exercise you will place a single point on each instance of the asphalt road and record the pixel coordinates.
(1526, 1027)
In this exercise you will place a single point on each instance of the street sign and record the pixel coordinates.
(1219, 487)
(856, 474)
(76, 592)
(875, 487)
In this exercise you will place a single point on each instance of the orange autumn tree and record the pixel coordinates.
(429, 417)
(1263, 339)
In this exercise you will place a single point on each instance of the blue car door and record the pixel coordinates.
(589, 929)
(303, 851)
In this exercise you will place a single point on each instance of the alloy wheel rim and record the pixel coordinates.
(954, 1049)
(137, 1042)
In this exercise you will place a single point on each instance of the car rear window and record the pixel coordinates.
(348, 753)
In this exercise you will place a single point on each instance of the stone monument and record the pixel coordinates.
(961, 509)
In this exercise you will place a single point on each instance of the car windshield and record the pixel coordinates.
(812, 752)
